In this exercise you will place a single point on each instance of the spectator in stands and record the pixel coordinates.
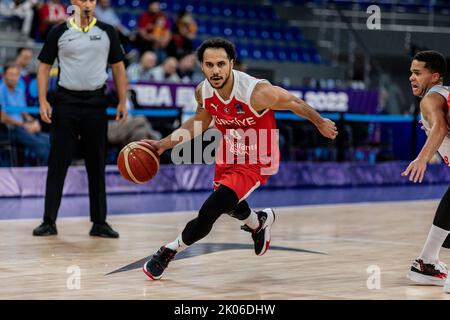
(106, 13)
(142, 71)
(187, 70)
(50, 14)
(23, 60)
(153, 31)
(167, 71)
(22, 9)
(26, 129)
(134, 128)
(184, 32)
(24, 56)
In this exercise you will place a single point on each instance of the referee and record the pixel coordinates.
(84, 47)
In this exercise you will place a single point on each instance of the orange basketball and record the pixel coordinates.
(138, 162)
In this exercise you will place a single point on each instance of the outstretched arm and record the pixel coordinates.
(432, 109)
(267, 96)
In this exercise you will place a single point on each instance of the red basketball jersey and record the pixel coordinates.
(248, 137)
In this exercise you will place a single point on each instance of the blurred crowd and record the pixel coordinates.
(160, 48)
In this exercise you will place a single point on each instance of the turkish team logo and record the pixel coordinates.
(239, 109)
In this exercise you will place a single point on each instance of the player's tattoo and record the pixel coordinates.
(198, 98)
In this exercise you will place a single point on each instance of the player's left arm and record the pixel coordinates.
(267, 96)
(432, 107)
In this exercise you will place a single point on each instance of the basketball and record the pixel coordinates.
(138, 162)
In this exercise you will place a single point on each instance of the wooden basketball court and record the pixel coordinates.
(317, 252)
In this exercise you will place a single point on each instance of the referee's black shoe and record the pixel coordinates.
(45, 229)
(103, 230)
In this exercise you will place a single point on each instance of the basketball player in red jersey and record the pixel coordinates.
(239, 105)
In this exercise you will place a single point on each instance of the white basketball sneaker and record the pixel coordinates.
(434, 274)
(261, 235)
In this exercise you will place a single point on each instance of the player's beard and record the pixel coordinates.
(224, 83)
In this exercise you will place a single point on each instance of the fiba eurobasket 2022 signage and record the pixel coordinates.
(182, 96)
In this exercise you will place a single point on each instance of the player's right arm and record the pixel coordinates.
(186, 132)
(432, 108)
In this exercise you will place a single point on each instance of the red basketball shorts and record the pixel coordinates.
(243, 179)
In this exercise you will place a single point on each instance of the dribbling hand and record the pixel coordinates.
(155, 144)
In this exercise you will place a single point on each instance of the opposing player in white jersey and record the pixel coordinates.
(242, 108)
(427, 71)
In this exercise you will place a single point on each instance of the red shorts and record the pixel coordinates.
(243, 179)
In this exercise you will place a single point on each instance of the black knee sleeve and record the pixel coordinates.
(220, 201)
(442, 216)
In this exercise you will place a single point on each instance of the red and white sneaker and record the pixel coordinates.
(433, 274)
(261, 235)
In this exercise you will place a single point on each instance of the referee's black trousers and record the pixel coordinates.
(77, 117)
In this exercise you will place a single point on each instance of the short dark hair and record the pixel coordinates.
(10, 65)
(434, 61)
(217, 43)
(19, 50)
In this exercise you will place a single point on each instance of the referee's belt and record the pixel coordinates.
(84, 93)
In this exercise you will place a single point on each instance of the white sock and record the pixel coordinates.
(430, 251)
(252, 221)
(178, 245)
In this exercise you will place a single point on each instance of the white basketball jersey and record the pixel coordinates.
(445, 92)
(444, 149)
